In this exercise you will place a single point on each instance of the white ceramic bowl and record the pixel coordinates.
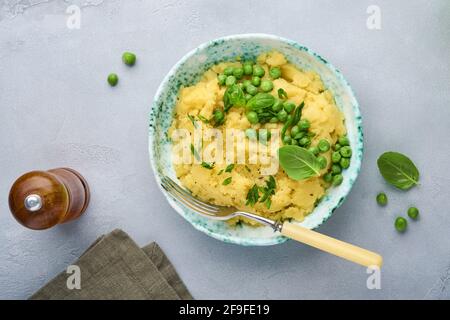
(189, 69)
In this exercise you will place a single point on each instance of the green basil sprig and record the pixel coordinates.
(298, 163)
(398, 170)
(233, 97)
(260, 101)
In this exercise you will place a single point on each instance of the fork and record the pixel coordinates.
(288, 229)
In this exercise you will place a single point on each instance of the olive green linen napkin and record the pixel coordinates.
(114, 267)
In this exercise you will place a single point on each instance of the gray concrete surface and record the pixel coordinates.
(57, 110)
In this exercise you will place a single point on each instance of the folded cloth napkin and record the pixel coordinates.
(114, 267)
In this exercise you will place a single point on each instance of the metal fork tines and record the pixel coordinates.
(187, 199)
(210, 210)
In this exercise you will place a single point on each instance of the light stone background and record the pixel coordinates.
(58, 110)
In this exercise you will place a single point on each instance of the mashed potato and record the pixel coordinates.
(291, 199)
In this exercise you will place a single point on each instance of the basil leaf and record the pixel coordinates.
(298, 163)
(252, 196)
(233, 96)
(260, 101)
(398, 170)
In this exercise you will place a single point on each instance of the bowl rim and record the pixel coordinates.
(358, 124)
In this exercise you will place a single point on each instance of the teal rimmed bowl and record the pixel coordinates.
(189, 70)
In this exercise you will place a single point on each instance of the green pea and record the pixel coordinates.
(228, 71)
(275, 72)
(337, 180)
(277, 106)
(238, 72)
(264, 135)
(401, 224)
(337, 146)
(113, 79)
(328, 177)
(413, 213)
(314, 150)
(246, 83)
(256, 81)
(299, 135)
(222, 78)
(248, 97)
(248, 68)
(294, 142)
(382, 199)
(287, 140)
(252, 117)
(266, 85)
(336, 157)
(282, 116)
(336, 169)
(323, 145)
(219, 116)
(251, 89)
(304, 124)
(322, 162)
(343, 141)
(346, 151)
(295, 130)
(230, 81)
(345, 163)
(129, 58)
(258, 71)
(304, 142)
(241, 85)
(251, 134)
(289, 106)
(273, 120)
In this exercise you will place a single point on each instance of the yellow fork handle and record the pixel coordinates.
(331, 245)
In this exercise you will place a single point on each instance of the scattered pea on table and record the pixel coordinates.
(401, 224)
(382, 199)
(113, 79)
(413, 213)
(129, 58)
